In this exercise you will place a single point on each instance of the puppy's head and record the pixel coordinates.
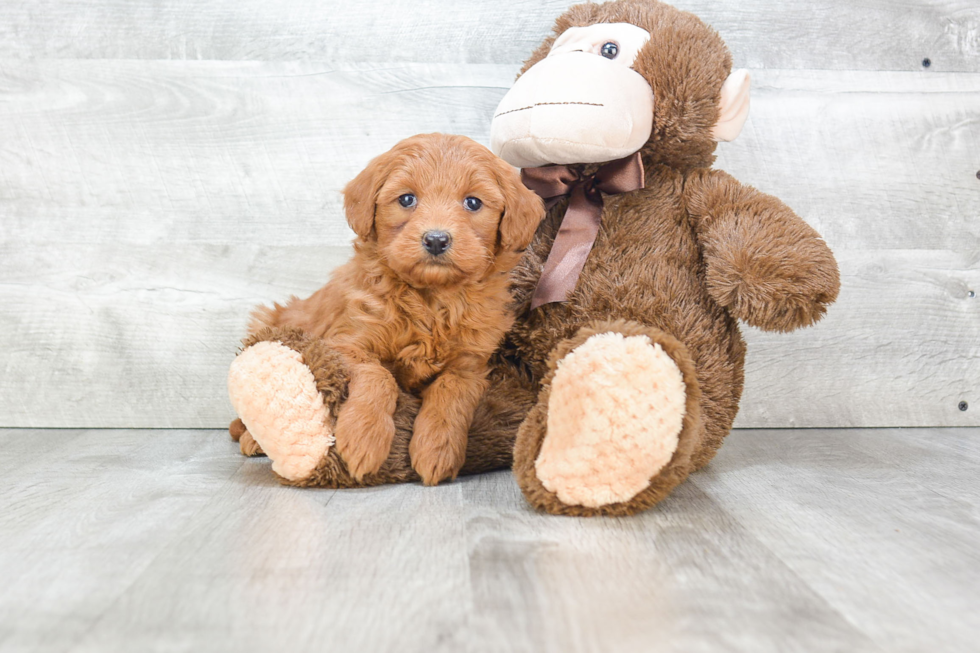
(440, 208)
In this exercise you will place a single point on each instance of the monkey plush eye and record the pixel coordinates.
(407, 200)
(472, 204)
(609, 50)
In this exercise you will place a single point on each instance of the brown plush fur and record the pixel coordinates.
(678, 261)
(404, 319)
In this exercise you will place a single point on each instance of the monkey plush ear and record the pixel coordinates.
(734, 107)
(361, 194)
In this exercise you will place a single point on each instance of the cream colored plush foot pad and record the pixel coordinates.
(615, 412)
(275, 394)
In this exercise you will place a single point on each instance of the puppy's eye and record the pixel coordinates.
(407, 200)
(472, 204)
(609, 50)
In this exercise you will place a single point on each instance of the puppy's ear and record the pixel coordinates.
(523, 209)
(361, 194)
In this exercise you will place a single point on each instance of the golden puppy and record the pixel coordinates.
(440, 222)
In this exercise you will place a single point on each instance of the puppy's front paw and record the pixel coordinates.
(437, 454)
(364, 438)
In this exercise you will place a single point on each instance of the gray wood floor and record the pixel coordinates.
(798, 540)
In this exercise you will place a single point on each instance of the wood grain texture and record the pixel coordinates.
(214, 152)
(147, 206)
(821, 34)
(258, 152)
(128, 334)
(797, 540)
(871, 160)
(877, 500)
(900, 347)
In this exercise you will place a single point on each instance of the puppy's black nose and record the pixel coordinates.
(436, 242)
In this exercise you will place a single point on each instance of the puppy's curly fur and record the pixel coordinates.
(405, 317)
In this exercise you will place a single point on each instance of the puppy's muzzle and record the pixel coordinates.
(436, 242)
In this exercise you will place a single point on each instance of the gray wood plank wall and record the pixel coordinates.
(166, 165)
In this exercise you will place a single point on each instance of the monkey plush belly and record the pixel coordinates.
(656, 280)
(644, 266)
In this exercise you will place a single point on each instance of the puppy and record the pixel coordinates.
(423, 303)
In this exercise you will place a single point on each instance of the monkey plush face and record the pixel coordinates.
(618, 78)
(582, 103)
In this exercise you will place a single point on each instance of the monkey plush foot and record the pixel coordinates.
(606, 438)
(276, 396)
(614, 417)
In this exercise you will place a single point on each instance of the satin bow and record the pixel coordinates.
(580, 224)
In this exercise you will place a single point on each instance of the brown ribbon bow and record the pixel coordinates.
(580, 225)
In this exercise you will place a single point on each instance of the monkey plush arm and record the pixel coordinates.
(763, 263)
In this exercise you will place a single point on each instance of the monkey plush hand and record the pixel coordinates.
(623, 371)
